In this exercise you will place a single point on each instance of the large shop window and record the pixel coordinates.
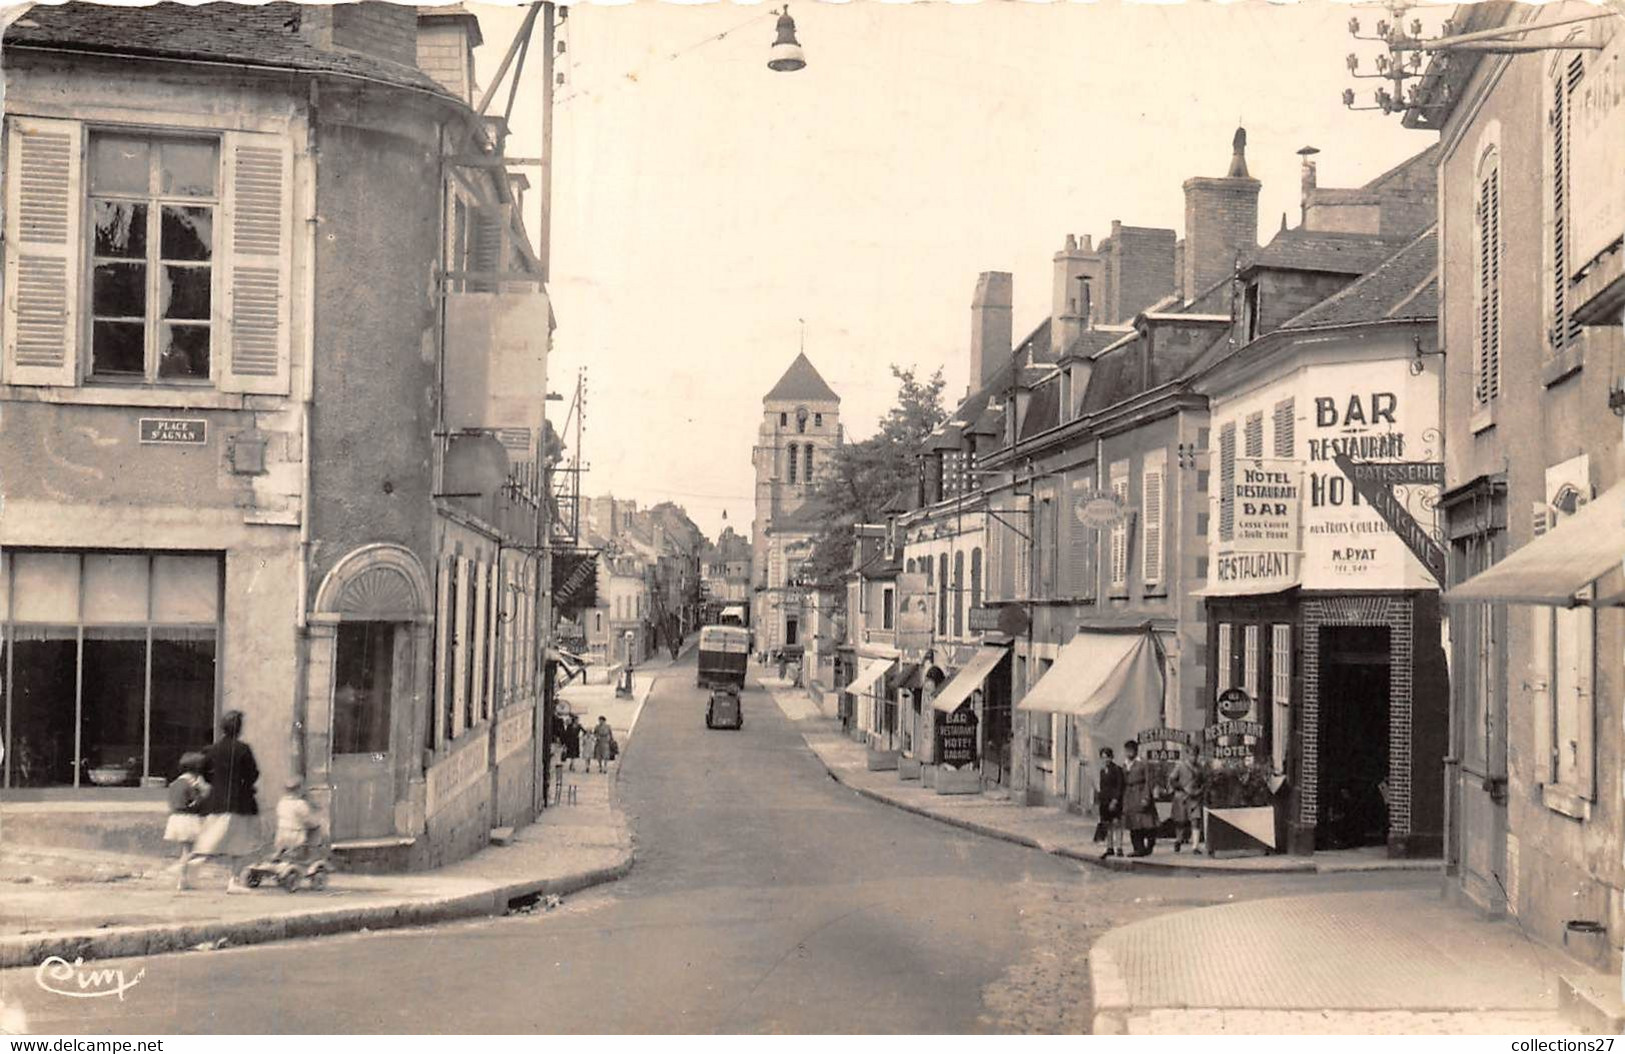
(146, 258)
(111, 665)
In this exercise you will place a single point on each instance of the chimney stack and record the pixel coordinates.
(1077, 268)
(1221, 223)
(990, 334)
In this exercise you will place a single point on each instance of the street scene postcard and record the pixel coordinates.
(868, 518)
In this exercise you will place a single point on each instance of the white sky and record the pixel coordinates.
(705, 204)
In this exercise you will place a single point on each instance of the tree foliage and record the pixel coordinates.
(863, 478)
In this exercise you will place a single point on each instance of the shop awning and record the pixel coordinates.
(968, 679)
(1558, 564)
(1093, 671)
(869, 674)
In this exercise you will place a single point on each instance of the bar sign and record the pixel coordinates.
(188, 431)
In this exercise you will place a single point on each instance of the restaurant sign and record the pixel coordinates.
(1267, 504)
(1234, 741)
(957, 733)
(1235, 703)
(1164, 744)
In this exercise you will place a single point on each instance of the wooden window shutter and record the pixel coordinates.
(1083, 543)
(256, 264)
(44, 203)
(1227, 482)
(1151, 483)
(1255, 435)
(1285, 428)
(486, 251)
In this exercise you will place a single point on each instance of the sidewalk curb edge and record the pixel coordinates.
(132, 941)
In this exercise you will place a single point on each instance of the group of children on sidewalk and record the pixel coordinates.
(1127, 800)
(298, 822)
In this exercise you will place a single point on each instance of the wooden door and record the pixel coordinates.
(370, 672)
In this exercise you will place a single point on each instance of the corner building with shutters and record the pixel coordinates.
(242, 464)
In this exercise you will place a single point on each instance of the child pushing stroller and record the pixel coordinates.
(298, 854)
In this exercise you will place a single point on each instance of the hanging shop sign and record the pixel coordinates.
(181, 431)
(957, 737)
(575, 580)
(1234, 741)
(1375, 483)
(913, 613)
(1164, 744)
(1597, 127)
(1099, 509)
(984, 619)
(1235, 703)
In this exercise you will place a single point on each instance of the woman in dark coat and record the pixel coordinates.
(572, 740)
(231, 826)
(1111, 801)
(1139, 810)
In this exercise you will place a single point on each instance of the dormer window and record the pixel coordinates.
(1251, 309)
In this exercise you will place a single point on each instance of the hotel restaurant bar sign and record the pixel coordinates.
(1263, 556)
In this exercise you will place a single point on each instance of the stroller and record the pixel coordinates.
(294, 866)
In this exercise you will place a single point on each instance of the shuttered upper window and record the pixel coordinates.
(1285, 428)
(1227, 482)
(1565, 88)
(146, 258)
(1152, 490)
(1487, 359)
(153, 204)
(1120, 530)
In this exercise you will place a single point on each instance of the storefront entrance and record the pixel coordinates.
(372, 668)
(1353, 734)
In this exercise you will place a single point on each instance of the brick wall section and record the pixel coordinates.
(1140, 270)
(442, 53)
(1221, 226)
(1396, 614)
(387, 31)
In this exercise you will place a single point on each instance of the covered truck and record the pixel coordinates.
(724, 650)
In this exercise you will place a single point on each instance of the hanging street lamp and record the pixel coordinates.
(785, 56)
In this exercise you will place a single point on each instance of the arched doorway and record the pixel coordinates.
(368, 648)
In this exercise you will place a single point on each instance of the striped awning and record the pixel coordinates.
(1555, 567)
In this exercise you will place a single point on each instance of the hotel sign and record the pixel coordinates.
(1268, 504)
(1098, 509)
(1597, 115)
(178, 431)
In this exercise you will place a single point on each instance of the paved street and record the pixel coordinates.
(765, 898)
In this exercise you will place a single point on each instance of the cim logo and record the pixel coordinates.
(60, 977)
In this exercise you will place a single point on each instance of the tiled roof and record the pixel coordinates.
(1405, 286)
(1094, 340)
(802, 381)
(266, 35)
(1043, 410)
(1297, 249)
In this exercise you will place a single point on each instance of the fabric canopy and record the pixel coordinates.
(1095, 670)
(870, 674)
(1558, 564)
(968, 679)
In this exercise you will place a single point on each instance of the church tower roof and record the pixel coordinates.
(801, 382)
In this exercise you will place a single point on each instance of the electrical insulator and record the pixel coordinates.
(561, 47)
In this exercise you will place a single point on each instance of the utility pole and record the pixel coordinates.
(544, 233)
